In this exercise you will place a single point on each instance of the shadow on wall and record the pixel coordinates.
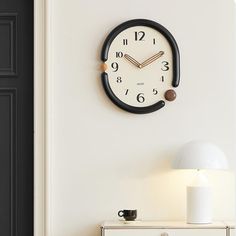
(89, 230)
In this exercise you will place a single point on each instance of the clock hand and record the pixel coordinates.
(132, 60)
(152, 59)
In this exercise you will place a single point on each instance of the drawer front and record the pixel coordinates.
(165, 232)
(232, 232)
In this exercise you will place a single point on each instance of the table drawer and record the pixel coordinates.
(165, 232)
(232, 232)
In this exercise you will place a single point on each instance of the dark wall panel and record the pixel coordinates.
(8, 44)
(7, 161)
(16, 117)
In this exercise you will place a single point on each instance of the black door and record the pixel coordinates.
(16, 117)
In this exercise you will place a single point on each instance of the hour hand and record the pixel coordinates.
(152, 59)
(132, 60)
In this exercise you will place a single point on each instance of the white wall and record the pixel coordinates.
(103, 159)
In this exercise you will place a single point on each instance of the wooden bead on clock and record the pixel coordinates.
(103, 66)
(170, 95)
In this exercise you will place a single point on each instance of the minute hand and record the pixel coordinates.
(152, 59)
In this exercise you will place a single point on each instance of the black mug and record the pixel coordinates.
(128, 214)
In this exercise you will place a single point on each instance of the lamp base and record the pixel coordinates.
(199, 205)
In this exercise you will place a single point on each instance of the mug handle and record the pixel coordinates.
(119, 213)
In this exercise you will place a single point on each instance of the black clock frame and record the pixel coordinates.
(175, 56)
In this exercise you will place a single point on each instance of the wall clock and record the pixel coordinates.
(141, 66)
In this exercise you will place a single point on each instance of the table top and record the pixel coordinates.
(122, 224)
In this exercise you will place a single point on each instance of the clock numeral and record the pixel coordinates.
(162, 78)
(125, 41)
(140, 98)
(166, 66)
(115, 66)
(118, 79)
(126, 92)
(154, 41)
(139, 35)
(155, 92)
(119, 54)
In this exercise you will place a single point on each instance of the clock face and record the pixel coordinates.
(141, 66)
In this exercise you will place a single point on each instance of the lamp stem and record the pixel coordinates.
(200, 179)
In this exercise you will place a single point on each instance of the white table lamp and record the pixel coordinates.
(200, 155)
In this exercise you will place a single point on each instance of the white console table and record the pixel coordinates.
(158, 228)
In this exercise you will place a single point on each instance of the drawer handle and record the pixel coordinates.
(164, 234)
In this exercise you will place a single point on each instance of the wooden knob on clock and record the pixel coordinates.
(170, 95)
(103, 67)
